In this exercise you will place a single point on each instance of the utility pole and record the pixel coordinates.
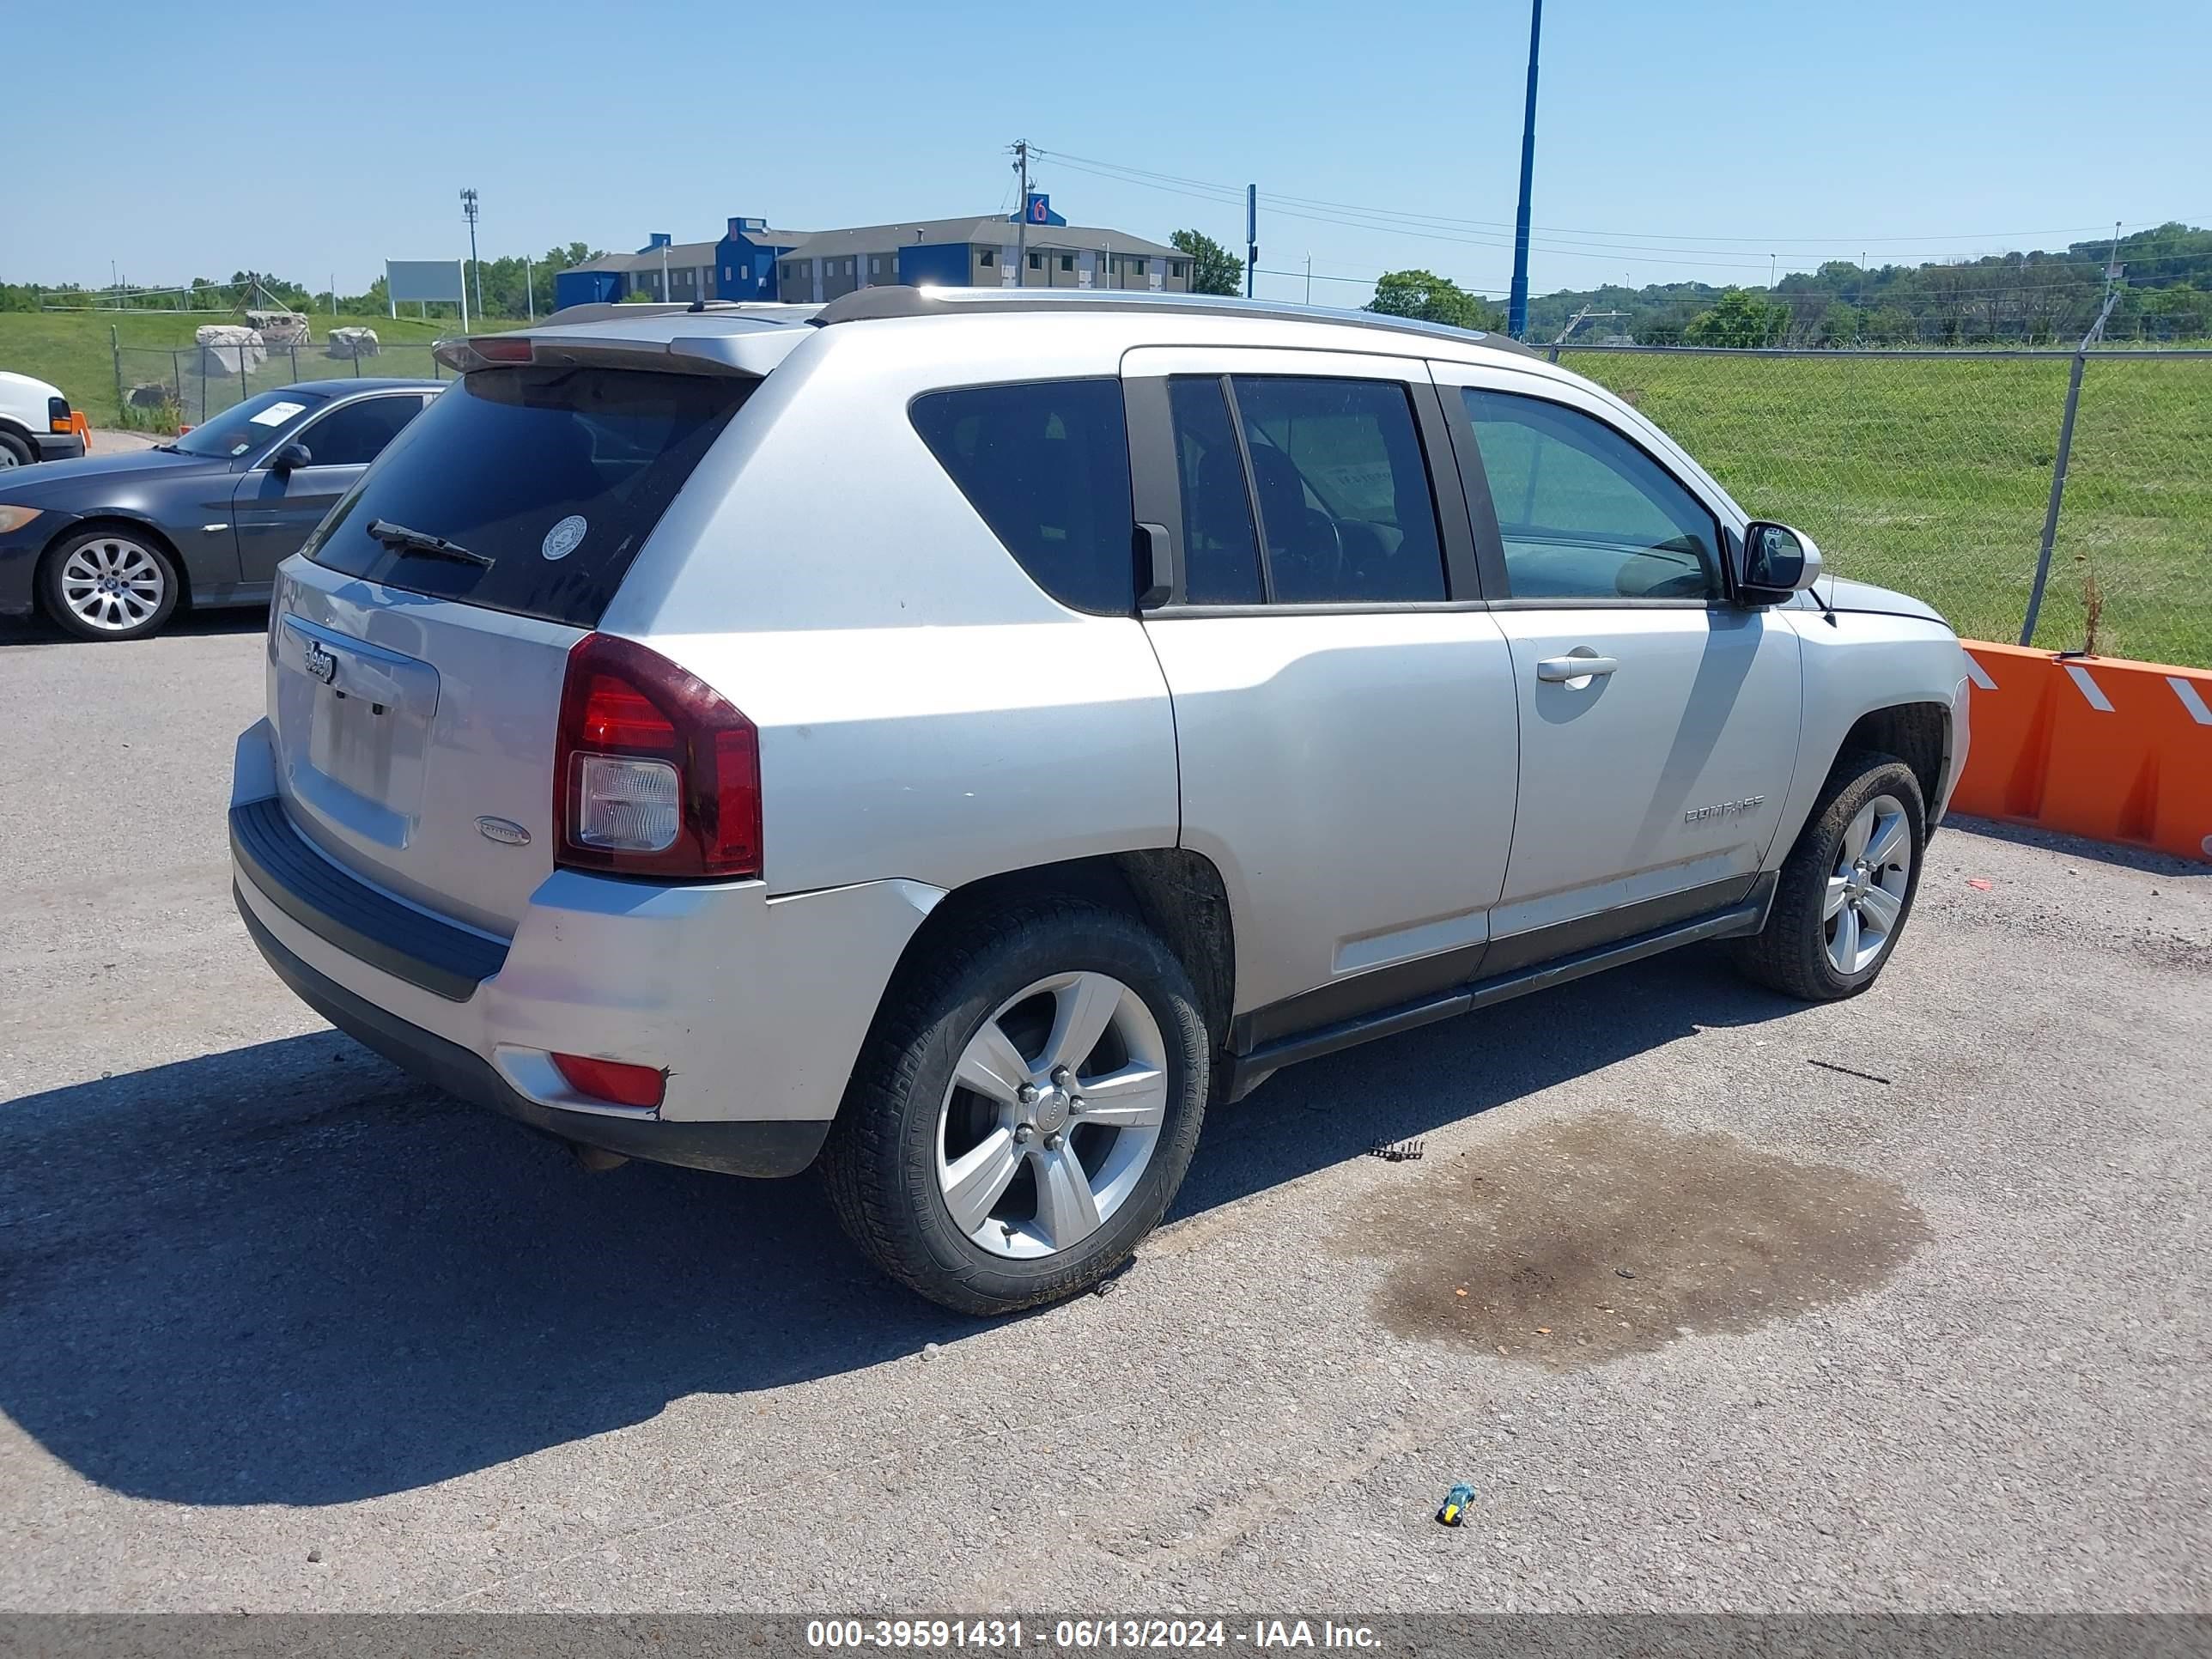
(1517, 304)
(1771, 263)
(1022, 234)
(469, 212)
(529, 287)
(1309, 279)
(1251, 236)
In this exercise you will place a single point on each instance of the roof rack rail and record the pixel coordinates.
(900, 300)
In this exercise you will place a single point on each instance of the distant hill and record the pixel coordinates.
(2036, 298)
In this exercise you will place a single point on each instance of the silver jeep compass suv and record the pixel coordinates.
(954, 736)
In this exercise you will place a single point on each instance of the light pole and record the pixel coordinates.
(1517, 304)
(469, 212)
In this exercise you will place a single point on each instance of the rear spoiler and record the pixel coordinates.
(749, 352)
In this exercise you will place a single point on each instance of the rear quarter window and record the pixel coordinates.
(1046, 464)
(555, 475)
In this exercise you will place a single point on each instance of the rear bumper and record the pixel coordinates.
(770, 1148)
(755, 1008)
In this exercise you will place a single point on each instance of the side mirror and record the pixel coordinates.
(289, 456)
(1777, 562)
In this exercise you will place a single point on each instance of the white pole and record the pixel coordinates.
(464, 270)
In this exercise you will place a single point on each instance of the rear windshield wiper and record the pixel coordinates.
(399, 535)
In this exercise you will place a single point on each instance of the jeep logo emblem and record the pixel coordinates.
(323, 665)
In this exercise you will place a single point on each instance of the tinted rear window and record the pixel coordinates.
(556, 474)
(1046, 466)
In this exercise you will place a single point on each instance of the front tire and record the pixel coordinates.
(1024, 1109)
(110, 583)
(1847, 888)
(17, 452)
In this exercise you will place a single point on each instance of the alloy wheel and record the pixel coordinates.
(113, 583)
(1867, 889)
(1052, 1116)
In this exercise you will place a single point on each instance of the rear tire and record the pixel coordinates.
(979, 1198)
(1847, 888)
(110, 582)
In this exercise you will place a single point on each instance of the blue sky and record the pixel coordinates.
(1687, 140)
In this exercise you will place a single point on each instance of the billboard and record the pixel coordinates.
(436, 281)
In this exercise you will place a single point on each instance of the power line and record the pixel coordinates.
(1616, 245)
(1738, 243)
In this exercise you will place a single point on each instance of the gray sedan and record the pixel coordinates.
(109, 546)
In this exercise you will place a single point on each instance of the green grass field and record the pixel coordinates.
(71, 348)
(1932, 476)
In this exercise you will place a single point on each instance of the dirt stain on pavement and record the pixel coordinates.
(1571, 1243)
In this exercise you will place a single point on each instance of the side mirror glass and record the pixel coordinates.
(291, 455)
(1777, 561)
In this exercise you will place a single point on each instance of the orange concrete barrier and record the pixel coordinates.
(2095, 746)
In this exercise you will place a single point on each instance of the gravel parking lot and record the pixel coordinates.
(1718, 1301)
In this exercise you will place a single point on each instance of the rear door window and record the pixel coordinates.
(1343, 489)
(555, 475)
(1046, 464)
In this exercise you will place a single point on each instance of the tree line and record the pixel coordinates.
(2008, 299)
(508, 293)
(2034, 298)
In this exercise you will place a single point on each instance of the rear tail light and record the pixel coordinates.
(654, 773)
(612, 1080)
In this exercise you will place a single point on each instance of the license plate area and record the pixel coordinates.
(354, 724)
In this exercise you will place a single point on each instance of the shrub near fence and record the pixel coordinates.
(1932, 472)
(205, 380)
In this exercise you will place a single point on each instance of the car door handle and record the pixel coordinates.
(1558, 670)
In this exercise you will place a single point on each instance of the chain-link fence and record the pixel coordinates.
(1932, 472)
(1926, 471)
(159, 389)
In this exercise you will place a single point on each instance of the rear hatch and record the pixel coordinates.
(415, 689)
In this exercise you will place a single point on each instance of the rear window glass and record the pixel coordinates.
(555, 475)
(1046, 466)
